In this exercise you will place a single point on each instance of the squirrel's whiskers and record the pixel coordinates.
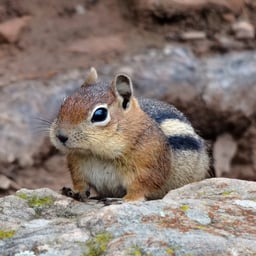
(123, 147)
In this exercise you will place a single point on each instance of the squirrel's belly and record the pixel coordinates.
(104, 177)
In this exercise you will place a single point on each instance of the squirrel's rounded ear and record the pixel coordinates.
(123, 87)
(92, 77)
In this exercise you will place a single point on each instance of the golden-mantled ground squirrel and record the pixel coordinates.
(123, 147)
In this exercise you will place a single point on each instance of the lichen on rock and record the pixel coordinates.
(205, 218)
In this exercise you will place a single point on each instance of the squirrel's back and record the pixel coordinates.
(173, 123)
(188, 149)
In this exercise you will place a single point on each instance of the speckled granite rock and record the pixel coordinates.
(212, 217)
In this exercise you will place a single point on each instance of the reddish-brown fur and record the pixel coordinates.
(144, 164)
(129, 155)
(77, 106)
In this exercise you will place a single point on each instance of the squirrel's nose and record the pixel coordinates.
(62, 138)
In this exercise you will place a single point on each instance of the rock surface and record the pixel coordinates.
(10, 30)
(243, 30)
(224, 151)
(212, 217)
(170, 8)
(26, 107)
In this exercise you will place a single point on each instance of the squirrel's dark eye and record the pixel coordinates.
(99, 115)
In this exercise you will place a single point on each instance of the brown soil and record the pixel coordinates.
(43, 47)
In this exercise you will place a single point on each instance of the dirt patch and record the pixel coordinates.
(43, 48)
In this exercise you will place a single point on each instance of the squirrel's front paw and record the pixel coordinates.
(79, 196)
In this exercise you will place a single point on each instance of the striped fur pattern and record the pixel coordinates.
(190, 160)
(133, 148)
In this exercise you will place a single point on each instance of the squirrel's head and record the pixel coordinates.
(93, 119)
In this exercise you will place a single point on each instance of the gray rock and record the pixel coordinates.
(231, 82)
(193, 35)
(23, 105)
(212, 217)
(223, 83)
(5, 183)
(224, 150)
(243, 30)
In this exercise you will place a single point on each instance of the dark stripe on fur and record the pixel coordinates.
(185, 142)
(160, 111)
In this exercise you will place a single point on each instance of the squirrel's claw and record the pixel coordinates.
(82, 197)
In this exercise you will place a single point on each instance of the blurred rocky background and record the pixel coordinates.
(199, 55)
